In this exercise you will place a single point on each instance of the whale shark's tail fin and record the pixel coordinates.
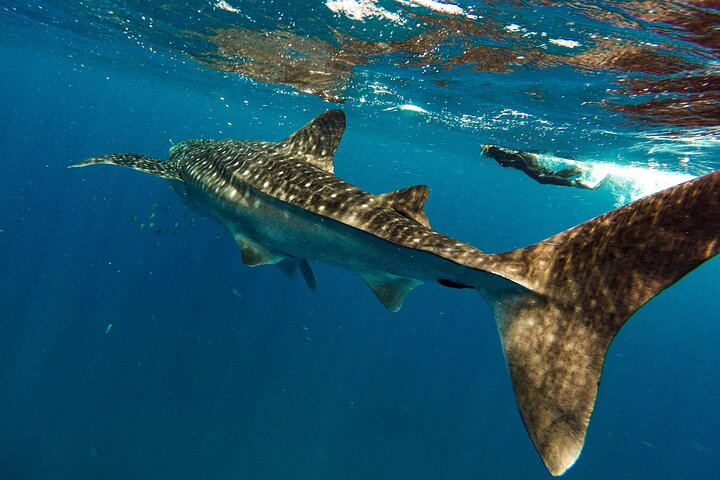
(150, 165)
(581, 286)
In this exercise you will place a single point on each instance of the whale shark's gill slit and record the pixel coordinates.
(450, 284)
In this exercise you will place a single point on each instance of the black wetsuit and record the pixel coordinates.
(527, 162)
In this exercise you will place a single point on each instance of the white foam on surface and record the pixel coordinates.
(625, 182)
(361, 10)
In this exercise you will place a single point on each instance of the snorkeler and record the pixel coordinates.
(528, 163)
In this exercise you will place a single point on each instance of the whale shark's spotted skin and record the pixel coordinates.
(233, 171)
(558, 304)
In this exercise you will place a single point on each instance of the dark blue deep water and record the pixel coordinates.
(135, 345)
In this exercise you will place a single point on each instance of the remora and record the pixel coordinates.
(558, 304)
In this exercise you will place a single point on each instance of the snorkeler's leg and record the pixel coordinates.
(568, 172)
(554, 180)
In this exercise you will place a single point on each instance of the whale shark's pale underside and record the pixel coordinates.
(558, 304)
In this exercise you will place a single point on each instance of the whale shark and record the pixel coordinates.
(557, 304)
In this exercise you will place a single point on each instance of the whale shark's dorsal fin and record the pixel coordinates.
(317, 141)
(153, 166)
(409, 202)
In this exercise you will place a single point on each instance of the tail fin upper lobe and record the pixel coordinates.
(582, 285)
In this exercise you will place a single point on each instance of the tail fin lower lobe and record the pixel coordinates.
(581, 286)
(150, 165)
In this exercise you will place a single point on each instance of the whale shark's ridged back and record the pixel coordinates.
(582, 285)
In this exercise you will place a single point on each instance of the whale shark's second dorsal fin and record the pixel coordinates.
(317, 141)
(409, 202)
(153, 166)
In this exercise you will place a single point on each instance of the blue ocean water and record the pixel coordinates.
(135, 345)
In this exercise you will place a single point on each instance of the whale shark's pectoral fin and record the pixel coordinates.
(254, 254)
(290, 265)
(317, 141)
(389, 289)
(142, 163)
(409, 202)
